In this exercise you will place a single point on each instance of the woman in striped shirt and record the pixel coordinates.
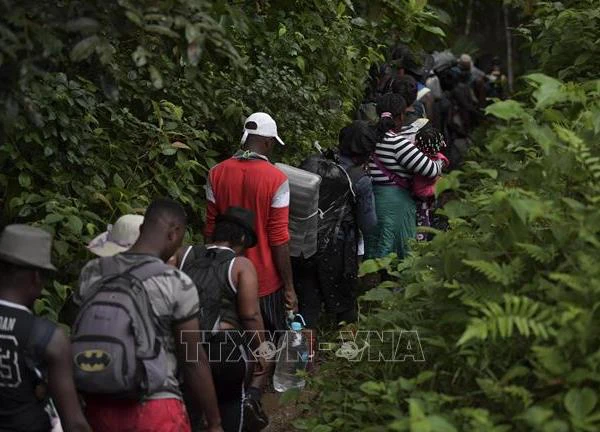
(395, 161)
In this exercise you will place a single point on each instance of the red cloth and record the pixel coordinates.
(257, 185)
(424, 187)
(109, 415)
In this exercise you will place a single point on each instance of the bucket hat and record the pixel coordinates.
(242, 217)
(118, 237)
(26, 246)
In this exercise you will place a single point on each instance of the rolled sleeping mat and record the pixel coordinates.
(304, 210)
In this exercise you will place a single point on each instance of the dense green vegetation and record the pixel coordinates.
(506, 302)
(105, 105)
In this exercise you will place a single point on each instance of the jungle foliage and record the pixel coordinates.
(105, 105)
(506, 302)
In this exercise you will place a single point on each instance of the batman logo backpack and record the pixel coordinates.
(115, 346)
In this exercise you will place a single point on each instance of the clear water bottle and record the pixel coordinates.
(293, 357)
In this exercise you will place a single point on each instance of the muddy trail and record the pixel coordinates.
(280, 414)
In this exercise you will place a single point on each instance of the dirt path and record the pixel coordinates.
(280, 415)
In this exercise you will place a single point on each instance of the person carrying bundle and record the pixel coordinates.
(346, 207)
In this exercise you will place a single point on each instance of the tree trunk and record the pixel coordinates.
(469, 18)
(509, 53)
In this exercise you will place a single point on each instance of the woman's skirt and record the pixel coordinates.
(396, 222)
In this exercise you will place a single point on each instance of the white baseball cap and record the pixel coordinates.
(265, 126)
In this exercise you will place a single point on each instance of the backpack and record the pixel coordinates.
(210, 272)
(115, 346)
(336, 195)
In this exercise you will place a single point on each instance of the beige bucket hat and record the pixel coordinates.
(118, 237)
(26, 246)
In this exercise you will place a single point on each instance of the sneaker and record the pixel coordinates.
(255, 418)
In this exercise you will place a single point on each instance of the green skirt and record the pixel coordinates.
(396, 222)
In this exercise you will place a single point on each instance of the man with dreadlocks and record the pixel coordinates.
(430, 141)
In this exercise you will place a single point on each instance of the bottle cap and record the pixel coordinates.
(296, 326)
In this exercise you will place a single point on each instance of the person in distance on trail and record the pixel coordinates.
(346, 196)
(228, 289)
(174, 309)
(477, 78)
(394, 163)
(418, 67)
(407, 88)
(29, 345)
(249, 180)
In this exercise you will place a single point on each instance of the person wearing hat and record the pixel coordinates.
(118, 237)
(175, 308)
(35, 355)
(251, 181)
(235, 278)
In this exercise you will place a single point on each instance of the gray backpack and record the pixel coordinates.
(115, 346)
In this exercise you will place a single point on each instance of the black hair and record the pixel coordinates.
(393, 104)
(357, 140)
(164, 207)
(429, 140)
(414, 64)
(407, 88)
(230, 232)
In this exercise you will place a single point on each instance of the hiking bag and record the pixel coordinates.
(336, 195)
(115, 346)
(210, 272)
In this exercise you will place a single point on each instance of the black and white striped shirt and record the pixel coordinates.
(399, 155)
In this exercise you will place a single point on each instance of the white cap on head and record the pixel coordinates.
(261, 124)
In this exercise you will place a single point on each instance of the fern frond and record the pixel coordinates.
(504, 274)
(542, 255)
(527, 316)
(498, 392)
(571, 281)
(474, 292)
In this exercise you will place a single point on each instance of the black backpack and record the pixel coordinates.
(336, 194)
(209, 270)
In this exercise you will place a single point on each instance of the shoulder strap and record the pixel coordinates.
(185, 256)
(142, 271)
(350, 182)
(148, 270)
(395, 178)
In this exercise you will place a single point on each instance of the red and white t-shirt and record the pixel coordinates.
(252, 182)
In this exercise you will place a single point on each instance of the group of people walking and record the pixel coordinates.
(144, 305)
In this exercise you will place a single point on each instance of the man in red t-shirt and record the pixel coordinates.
(251, 181)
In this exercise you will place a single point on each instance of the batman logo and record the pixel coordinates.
(93, 360)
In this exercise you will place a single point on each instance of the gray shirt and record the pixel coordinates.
(174, 299)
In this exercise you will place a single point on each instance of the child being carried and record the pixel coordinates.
(430, 142)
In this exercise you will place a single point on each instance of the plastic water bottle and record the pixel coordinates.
(293, 357)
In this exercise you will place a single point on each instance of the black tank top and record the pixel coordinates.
(224, 259)
(23, 341)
